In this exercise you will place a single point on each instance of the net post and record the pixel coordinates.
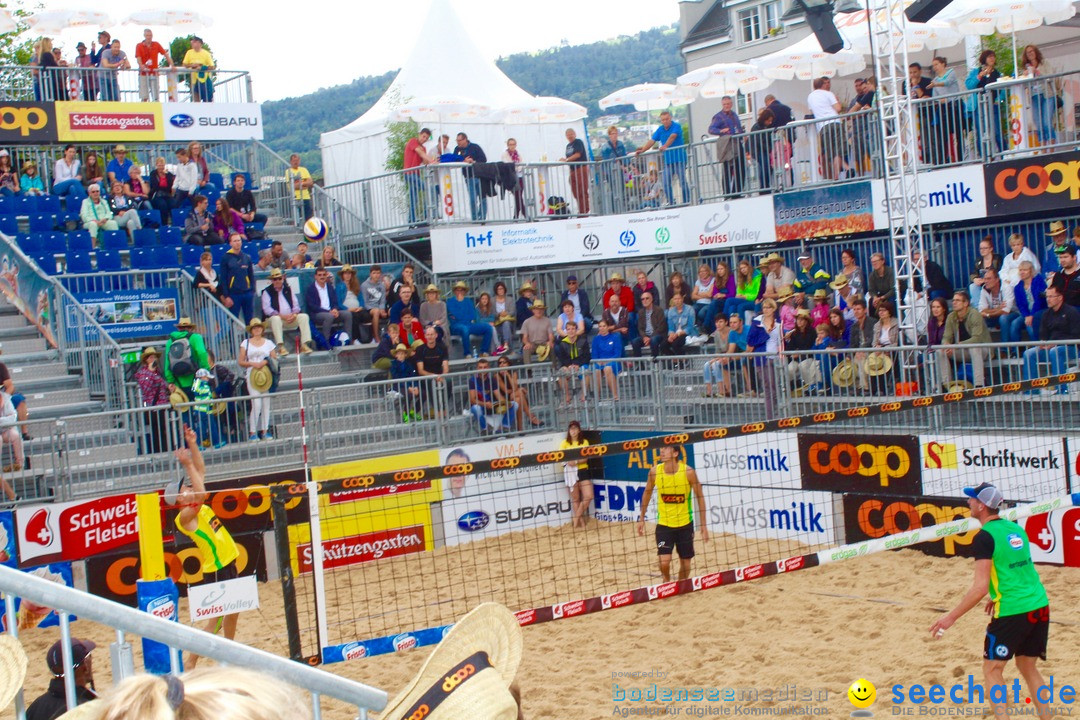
(318, 579)
(288, 583)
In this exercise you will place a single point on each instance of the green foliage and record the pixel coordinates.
(582, 73)
(16, 47)
(1003, 48)
(400, 133)
(179, 47)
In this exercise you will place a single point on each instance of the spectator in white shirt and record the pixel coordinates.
(825, 107)
(187, 178)
(66, 177)
(1010, 264)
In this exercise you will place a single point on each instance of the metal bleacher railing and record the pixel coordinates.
(69, 602)
(964, 128)
(29, 84)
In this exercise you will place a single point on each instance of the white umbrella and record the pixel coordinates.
(436, 108)
(723, 79)
(647, 96)
(806, 60)
(57, 21)
(175, 19)
(985, 17)
(917, 36)
(7, 23)
(541, 110)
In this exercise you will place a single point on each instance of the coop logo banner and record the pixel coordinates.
(944, 196)
(108, 122)
(873, 516)
(1031, 184)
(739, 222)
(26, 122)
(212, 121)
(830, 210)
(477, 247)
(861, 463)
(1024, 467)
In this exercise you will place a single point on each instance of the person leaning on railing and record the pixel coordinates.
(114, 59)
(201, 61)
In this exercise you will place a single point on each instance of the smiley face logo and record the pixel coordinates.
(862, 695)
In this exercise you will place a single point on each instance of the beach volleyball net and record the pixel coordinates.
(406, 550)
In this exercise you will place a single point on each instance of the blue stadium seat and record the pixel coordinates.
(252, 250)
(49, 204)
(42, 223)
(30, 244)
(26, 205)
(150, 218)
(80, 240)
(7, 205)
(147, 237)
(9, 224)
(142, 259)
(218, 252)
(109, 261)
(179, 215)
(166, 256)
(248, 227)
(47, 263)
(263, 245)
(55, 242)
(211, 193)
(217, 180)
(190, 254)
(114, 240)
(247, 181)
(78, 263)
(62, 220)
(171, 235)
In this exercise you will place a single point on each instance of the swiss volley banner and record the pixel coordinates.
(131, 314)
(825, 211)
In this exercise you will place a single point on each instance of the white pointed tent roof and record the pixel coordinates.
(445, 61)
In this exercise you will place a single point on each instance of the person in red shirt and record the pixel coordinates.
(147, 53)
(617, 286)
(415, 156)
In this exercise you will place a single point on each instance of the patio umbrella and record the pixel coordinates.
(437, 108)
(175, 19)
(7, 23)
(985, 17)
(55, 22)
(806, 60)
(647, 96)
(540, 110)
(723, 79)
(917, 36)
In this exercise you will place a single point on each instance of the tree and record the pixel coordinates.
(1002, 47)
(16, 47)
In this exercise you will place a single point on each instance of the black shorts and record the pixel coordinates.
(1024, 634)
(675, 538)
(228, 572)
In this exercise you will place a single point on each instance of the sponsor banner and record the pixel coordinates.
(81, 121)
(130, 314)
(1033, 184)
(244, 504)
(356, 549)
(31, 615)
(619, 501)
(27, 122)
(762, 513)
(223, 598)
(29, 292)
(212, 121)
(861, 463)
(729, 224)
(113, 576)
(385, 645)
(1055, 537)
(8, 556)
(867, 517)
(482, 247)
(768, 459)
(654, 232)
(357, 476)
(822, 212)
(948, 195)
(466, 519)
(636, 464)
(75, 530)
(1025, 468)
(500, 480)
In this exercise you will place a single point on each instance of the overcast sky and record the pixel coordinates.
(293, 48)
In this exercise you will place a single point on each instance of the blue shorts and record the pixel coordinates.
(616, 367)
(17, 399)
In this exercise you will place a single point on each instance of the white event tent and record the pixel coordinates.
(445, 62)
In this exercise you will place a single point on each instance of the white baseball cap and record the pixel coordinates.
(987, 494)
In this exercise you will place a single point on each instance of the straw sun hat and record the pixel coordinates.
(13, 662)
(469, 673)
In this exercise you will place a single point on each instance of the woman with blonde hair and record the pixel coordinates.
(1044, 94)
(219, 693)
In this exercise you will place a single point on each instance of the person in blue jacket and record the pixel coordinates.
(237, 281)
(607, 348)
(465, 321)
(322, 303)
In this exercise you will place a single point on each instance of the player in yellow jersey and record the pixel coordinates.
(198, 522)
(674, 482)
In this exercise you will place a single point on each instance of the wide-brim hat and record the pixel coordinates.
(821, 294)
(431, 289)
(178, 397)
(261, 379)
(843, 375)
(802, 312)
(616, 276)
(538, 304)
(86, 711)
(773, 257)
(526, 286)
(784, 294)
(344, 269)
(254, 323)
(461, 285)
(401, 347)
(1056, 228)
(839, 282)
(149, 352)
(543, 352)
(958, 386)
(184, 322)
(13, 663)
(417, 343)
(483, 692)
(276, 273)
(877, 363)
(503, 317)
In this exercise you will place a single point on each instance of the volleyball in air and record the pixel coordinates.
(315, 229)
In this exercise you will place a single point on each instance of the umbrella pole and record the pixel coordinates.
(1016, 67)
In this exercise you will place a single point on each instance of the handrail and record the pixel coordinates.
(34, 83)
(64, 599)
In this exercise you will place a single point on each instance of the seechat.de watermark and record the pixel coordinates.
(941, 700)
